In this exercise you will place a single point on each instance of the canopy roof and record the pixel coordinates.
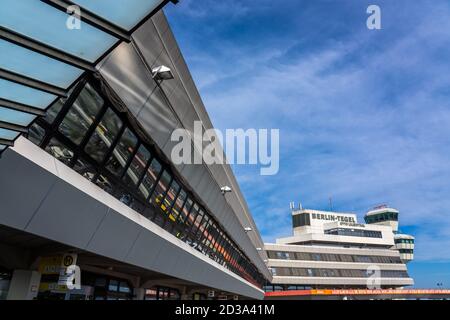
(46, 45)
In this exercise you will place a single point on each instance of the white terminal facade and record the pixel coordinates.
(333, 250)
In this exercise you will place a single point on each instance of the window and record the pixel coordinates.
(137, 166)
(104, 183)
(283, 255)
(150, 178)
(104, 135)
(170, 199)
(160, 190)
(59, 151)
(85, 169)
(191, 220)
(185, 212)
(53, 111)
(197, 222)
(176, 210)
(36, 134)
(158, 197)
(81, 115)
(122, 153)
(305, 256)
(300, 220)
(124, 287)
(113, 285)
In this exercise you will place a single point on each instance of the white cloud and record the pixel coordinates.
(360, 121)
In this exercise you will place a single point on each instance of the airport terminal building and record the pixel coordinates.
(86, 179)
(331, 250)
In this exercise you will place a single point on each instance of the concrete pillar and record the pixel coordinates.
(139, 293)
(184, 294)
(24, 285)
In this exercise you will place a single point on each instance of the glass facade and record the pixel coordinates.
(407, 241)
(162, 293)
(306, 256)
(386, 216)
(327, 273)
(88, 134)
(300, 220)
(354, 233)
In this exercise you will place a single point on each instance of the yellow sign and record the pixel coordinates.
(56, 266)
(50, 265)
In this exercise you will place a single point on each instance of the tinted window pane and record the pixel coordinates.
(199, 222)
(178, 204)
(36, 134)
(150, 178)
(190, 221)
(122, 152)
(124, 287)
(137, 166)
(113, 285)
(104, 183)
(170, 199)
(186, 209)
(103, 136)
(81, 114)
(59, 151)
(160, 190)
(85, 169)
(53, 111)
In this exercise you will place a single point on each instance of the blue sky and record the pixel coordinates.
(364, 116)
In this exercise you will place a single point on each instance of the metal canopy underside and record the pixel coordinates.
(42, 55)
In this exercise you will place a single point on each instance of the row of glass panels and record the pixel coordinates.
(89, 136)
(41, 22)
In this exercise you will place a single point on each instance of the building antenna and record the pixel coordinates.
(330, 199)
(291, 205)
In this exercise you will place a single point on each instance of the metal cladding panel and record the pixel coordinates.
(214, 202)
(206, 186)
(222, 209)
(194, 174)
(165, 260)
(145, 250)
(180, 101)
(167, 149)
(160, 21)
(145, 35)
(128, 77)
(16, 212)
(157, 119)
(171, 45)
(116, 247)
(77, 220)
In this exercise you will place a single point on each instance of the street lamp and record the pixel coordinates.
(247, 229)
(162, 73)
(225, 189)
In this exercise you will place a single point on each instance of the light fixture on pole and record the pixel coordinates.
(247, 229)
(162, 73)
(225, 189)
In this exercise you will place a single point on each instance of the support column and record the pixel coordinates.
(24, 285)
(139, 293)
